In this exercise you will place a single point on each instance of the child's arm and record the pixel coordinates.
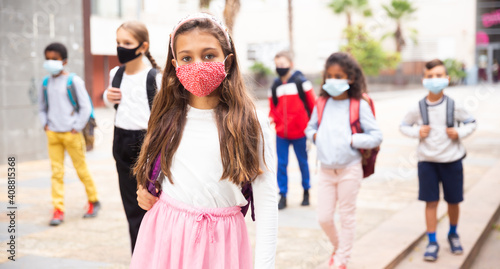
(312, 126)
(371, 137)
(409, 126)
(107, 102)
(266, 207)
(310, 95)
(42, 112)
(84, 104)
(469, 122)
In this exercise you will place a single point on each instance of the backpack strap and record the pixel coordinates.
(117, 79)
(354, 106)
(247, 191)
(45, 83)
(450, 112)
(320, 107)
(151, 87)
(423, 111)
(302, 94)
(73, 98)
(274, 87)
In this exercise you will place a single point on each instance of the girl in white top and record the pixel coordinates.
(130, 98)
(211, 141)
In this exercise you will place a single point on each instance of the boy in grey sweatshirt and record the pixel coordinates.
(435, 122)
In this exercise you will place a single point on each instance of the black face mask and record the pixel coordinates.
(282, 71)
(126, 55)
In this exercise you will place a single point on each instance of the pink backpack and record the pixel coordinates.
(369, 155)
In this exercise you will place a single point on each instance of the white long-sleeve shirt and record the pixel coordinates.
(197, 169)
(61, 116)
(438, 147)
(334, 135)
(133, 111)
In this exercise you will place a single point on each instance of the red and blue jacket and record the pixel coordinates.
(290, 115)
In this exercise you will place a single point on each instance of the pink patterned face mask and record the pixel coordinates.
(201, 78)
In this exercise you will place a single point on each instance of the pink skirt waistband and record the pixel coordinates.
(196, 211)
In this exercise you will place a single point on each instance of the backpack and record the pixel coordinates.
(88, 130)
(153, 184)
(300, 89)
(369, 156)
(150, 83)
(450, 111)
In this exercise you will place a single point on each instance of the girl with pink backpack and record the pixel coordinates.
(342, 124)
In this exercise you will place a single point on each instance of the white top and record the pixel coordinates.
(133, 111)
(334, 135)
(197, 169)
(438, 147)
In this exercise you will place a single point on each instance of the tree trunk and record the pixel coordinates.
(204, 4)
(290, 26)
(349, 22)
(231, 9)
(398, 35)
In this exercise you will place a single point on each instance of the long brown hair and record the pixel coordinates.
(139, 31)
(239, 130)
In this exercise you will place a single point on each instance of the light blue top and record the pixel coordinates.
(334, 135)
(61, 116)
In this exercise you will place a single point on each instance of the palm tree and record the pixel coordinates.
(231, 9)
(400, 10)
(204, 4)
(349, 7)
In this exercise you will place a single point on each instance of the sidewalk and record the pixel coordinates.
(103, 242)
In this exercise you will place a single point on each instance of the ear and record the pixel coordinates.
(65, 61)
(144, 47)
(351, 81)
(174, 63)
(229, 62)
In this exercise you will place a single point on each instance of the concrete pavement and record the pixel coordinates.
(103, 242)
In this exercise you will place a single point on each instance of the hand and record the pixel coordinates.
(73, 131)
(46, 128)
(424, 131)
(114, 95)
(452, 133)
(145, 199)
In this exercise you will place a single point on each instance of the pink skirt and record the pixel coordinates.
(176, 235)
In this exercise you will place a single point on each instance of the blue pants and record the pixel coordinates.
(299, 146)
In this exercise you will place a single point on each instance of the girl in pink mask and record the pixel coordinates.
(210, 143)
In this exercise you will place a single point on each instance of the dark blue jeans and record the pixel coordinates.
(299, 146)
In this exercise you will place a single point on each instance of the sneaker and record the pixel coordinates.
(93, 209)
(455, 246)
(305, 201)
(57, 218)
(341, 266)
(431, 252)
(282, 203)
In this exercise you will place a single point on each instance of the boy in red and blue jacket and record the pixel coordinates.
(291, 99)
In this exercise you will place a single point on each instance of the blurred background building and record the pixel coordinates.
(466, 32)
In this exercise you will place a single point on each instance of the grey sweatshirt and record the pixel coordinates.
(438, 147)
(334, 135)
(60, 116)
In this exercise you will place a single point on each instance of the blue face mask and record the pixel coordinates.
(54, 67)
(435, 85)
(335, 87)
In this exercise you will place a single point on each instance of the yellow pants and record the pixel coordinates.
(74, 144)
